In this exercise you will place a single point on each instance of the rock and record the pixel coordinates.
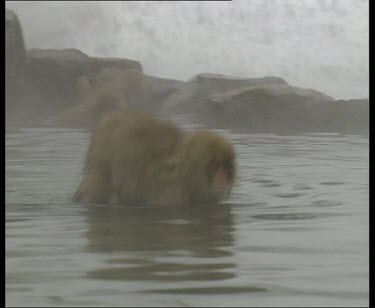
(259, 108)
(15, 65)
(225, 82)
(188, 99)
(340, 116)
(157, 91)
(53, 75)
(42, 83)
(266, 105)
(15, 47)
(69, 55)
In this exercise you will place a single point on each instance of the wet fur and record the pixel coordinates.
(142, 160)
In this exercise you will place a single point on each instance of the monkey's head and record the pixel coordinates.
(210, 161)
(104, 104)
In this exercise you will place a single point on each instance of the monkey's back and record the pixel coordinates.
(138, 151)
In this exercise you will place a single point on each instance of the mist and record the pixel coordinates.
(323, 45)
(259, 196)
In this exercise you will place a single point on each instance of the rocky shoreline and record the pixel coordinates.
(41, 83)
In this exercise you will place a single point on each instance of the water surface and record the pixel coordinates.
(293, 233)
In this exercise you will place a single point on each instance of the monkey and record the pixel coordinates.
(130, 82)
(88, 113)
(83, 86)
(139, 159)
(111, 90)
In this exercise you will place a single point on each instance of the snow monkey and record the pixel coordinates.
(111, 90)
(129, 82)
(143, 160)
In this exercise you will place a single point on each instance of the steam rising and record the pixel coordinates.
(319, 44)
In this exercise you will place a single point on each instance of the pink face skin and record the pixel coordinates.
(221, 184)
(221, 178)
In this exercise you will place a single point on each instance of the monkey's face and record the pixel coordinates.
(211, 166)
(220, 173)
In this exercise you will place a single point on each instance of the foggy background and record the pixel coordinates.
(319, 44)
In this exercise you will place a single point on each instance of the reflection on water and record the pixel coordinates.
(203, 232)
(200, 230)
(294, 232)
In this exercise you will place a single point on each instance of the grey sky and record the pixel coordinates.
(320, 44)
